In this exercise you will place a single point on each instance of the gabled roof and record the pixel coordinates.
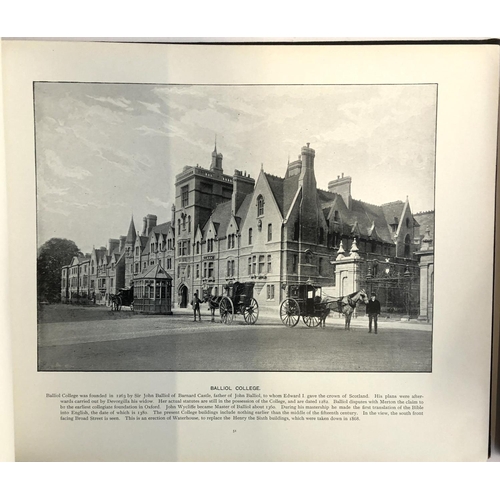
(153, 272)
(393, 210)
(99, 253)
(163, 228)
(277, 188)
(290, 188)
(245, 204)
(83, 258)
(142, 241)
(221, 217)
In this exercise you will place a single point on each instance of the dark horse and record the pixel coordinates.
(343, 305)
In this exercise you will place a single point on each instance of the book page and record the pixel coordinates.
(6, 396)
(330, 208)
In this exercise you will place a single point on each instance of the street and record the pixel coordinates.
(73, 338)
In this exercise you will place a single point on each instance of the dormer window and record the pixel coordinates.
(260, 206)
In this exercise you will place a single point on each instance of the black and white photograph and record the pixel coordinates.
(235, 228)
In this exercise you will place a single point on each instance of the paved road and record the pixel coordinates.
(94, 339)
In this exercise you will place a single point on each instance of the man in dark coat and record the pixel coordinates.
(373, 310)
(196, 306)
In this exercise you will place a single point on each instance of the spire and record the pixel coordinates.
(131, 232)
(216, 158)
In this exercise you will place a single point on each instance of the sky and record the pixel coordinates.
(106, 152)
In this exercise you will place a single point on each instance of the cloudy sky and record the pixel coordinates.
(107, 151)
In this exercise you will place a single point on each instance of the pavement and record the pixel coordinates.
(76, 338)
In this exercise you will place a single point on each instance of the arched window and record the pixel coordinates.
(269, 232)
(407, 246)
(336, 216)
(250, 236)
(260, 206)
(189, 224)
(197, 247)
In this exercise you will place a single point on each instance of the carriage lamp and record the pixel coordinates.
(369, 274)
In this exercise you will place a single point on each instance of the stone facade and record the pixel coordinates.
(272, 231)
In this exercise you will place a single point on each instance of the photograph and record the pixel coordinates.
(235, 228)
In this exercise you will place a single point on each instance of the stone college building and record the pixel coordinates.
(272, 231)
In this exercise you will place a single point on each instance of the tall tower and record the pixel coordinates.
(216, 164)
(129, 252)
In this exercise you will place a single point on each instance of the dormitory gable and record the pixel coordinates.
(263, 215)
(232, 232)
(198, 240)
(334, 210)
(156, 240)
(210, 235)
(403, 227)
(393, 213)
(370, 219)
(219, 218)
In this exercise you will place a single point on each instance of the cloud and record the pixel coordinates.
(158, 203)
(155, 108)
(46, 189)
(55, 164)
(154, 131)
(120, 102)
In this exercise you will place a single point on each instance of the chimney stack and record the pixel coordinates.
(122, 244)
(150, 223)
(342, 187)
(113, 245)
(242, 186)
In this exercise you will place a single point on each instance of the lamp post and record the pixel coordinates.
(407, 277)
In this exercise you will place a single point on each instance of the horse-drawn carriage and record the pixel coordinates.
(124, 297)
(303, 299)
(238, 299)
(306, 300)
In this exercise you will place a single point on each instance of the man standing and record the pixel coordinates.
(373, 310)
(196, 306)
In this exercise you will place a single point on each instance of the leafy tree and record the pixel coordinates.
(52, 255)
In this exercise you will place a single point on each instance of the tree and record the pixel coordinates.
(52, 256)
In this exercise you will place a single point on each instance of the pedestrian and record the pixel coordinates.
(196, 306)
(373, 310)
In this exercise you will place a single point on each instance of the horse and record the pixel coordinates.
(343, 305)
(212, 300)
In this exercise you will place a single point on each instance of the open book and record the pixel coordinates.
(249, 252)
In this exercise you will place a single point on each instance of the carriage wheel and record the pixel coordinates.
(226, 310)
(251, 313)
(311, 321)
(289, 312)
